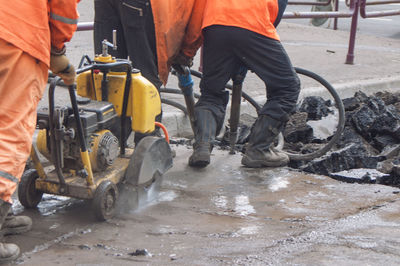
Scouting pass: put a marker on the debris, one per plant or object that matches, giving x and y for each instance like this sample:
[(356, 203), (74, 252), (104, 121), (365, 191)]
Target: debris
[(360, 175), (316, 107), (370, 140), (84, 246), (141, 252)]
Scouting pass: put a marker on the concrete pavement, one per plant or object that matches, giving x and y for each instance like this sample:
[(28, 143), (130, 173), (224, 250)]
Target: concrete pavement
[(229, 215), (224, 215)]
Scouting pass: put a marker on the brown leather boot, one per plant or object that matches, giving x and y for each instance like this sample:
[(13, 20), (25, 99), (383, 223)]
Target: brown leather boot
[(260, 151), (8, 252)]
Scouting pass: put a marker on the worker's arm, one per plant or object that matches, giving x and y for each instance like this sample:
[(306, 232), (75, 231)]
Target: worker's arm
[(193, 37), (63, 20)]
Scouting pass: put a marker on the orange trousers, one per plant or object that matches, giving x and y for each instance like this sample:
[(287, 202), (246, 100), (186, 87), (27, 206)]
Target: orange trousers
[(22, 82)]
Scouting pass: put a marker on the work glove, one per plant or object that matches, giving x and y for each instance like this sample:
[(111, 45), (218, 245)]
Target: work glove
[(183, 60), (59, 65)]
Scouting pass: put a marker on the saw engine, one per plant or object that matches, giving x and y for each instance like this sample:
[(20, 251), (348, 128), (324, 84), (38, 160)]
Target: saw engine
[(98, 120)]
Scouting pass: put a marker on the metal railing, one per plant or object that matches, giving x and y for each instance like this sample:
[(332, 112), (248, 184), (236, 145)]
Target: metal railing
[(355, 7)]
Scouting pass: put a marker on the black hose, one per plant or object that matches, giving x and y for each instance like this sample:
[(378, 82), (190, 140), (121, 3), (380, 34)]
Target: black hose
[(229, 87), (175, 104), (340, 126), (322, 81), (176, 91)]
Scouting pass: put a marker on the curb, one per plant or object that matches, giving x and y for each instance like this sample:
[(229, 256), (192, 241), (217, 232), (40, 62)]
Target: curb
[(179, 126)]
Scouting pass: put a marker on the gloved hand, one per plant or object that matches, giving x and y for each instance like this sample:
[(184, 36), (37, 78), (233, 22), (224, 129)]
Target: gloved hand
[(59, 65), (183, 60)]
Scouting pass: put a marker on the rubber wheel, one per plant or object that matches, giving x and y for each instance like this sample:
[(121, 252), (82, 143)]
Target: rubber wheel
[(104, 201), (28, 195)]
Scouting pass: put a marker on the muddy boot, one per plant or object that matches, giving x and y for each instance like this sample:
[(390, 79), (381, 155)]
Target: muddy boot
[(260, 151), (8, 252), (205, 130), (14, 225)]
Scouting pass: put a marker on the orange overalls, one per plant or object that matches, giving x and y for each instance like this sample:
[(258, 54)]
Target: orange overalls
[(28, 29)]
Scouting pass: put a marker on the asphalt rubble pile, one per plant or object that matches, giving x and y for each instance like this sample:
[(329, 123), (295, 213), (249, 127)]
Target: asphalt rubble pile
[(368, 151)]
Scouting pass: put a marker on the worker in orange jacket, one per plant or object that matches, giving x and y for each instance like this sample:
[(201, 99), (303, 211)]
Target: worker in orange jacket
[(150, 32), (32, 37), (242, 35)]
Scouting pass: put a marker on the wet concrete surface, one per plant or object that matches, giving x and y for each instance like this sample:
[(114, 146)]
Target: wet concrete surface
[(224, 215)]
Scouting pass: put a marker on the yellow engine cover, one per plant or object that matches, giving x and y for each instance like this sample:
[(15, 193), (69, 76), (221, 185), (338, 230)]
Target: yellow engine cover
[(144, 102)]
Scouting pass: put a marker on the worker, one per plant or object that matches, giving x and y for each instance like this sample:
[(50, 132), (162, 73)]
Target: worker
[(32, 37), (149, 32), (241, 34)]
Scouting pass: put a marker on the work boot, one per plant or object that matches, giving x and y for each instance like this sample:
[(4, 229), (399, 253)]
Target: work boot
[(260, 151), (205, 130), (14, 225), (8, 252)]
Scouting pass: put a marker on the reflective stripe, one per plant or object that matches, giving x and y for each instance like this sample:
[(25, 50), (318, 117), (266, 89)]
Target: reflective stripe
[(9, 177), (63, 19)]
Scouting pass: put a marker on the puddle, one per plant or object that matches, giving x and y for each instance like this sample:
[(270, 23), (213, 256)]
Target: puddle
[(49, 204), (249, 230), (278, 183), (243, 206), (220, 201)]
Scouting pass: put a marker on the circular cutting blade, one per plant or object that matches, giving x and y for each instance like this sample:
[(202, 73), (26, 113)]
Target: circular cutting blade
[(150, 160)]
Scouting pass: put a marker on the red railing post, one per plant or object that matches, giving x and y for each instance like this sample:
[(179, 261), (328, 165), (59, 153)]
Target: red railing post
[(354, 5)]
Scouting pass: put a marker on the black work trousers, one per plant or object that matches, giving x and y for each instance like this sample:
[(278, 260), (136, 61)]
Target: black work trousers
[(133, 20), (226, 49)]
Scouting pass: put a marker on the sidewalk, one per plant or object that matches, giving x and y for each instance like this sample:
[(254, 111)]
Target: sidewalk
[(320, 50), (323, 51)]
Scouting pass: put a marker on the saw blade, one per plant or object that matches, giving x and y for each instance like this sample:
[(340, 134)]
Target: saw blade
[(150, 160)]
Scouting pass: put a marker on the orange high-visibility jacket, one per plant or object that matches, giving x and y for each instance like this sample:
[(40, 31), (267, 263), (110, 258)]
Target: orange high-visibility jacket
[(173, 21), (34, 25), (255, 15)]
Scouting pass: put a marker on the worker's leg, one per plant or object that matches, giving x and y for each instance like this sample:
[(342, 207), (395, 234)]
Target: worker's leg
[(282, 4), (22, 82), (268, 59), (218, 65), (137, 20), (107, 19), (138, 25)]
